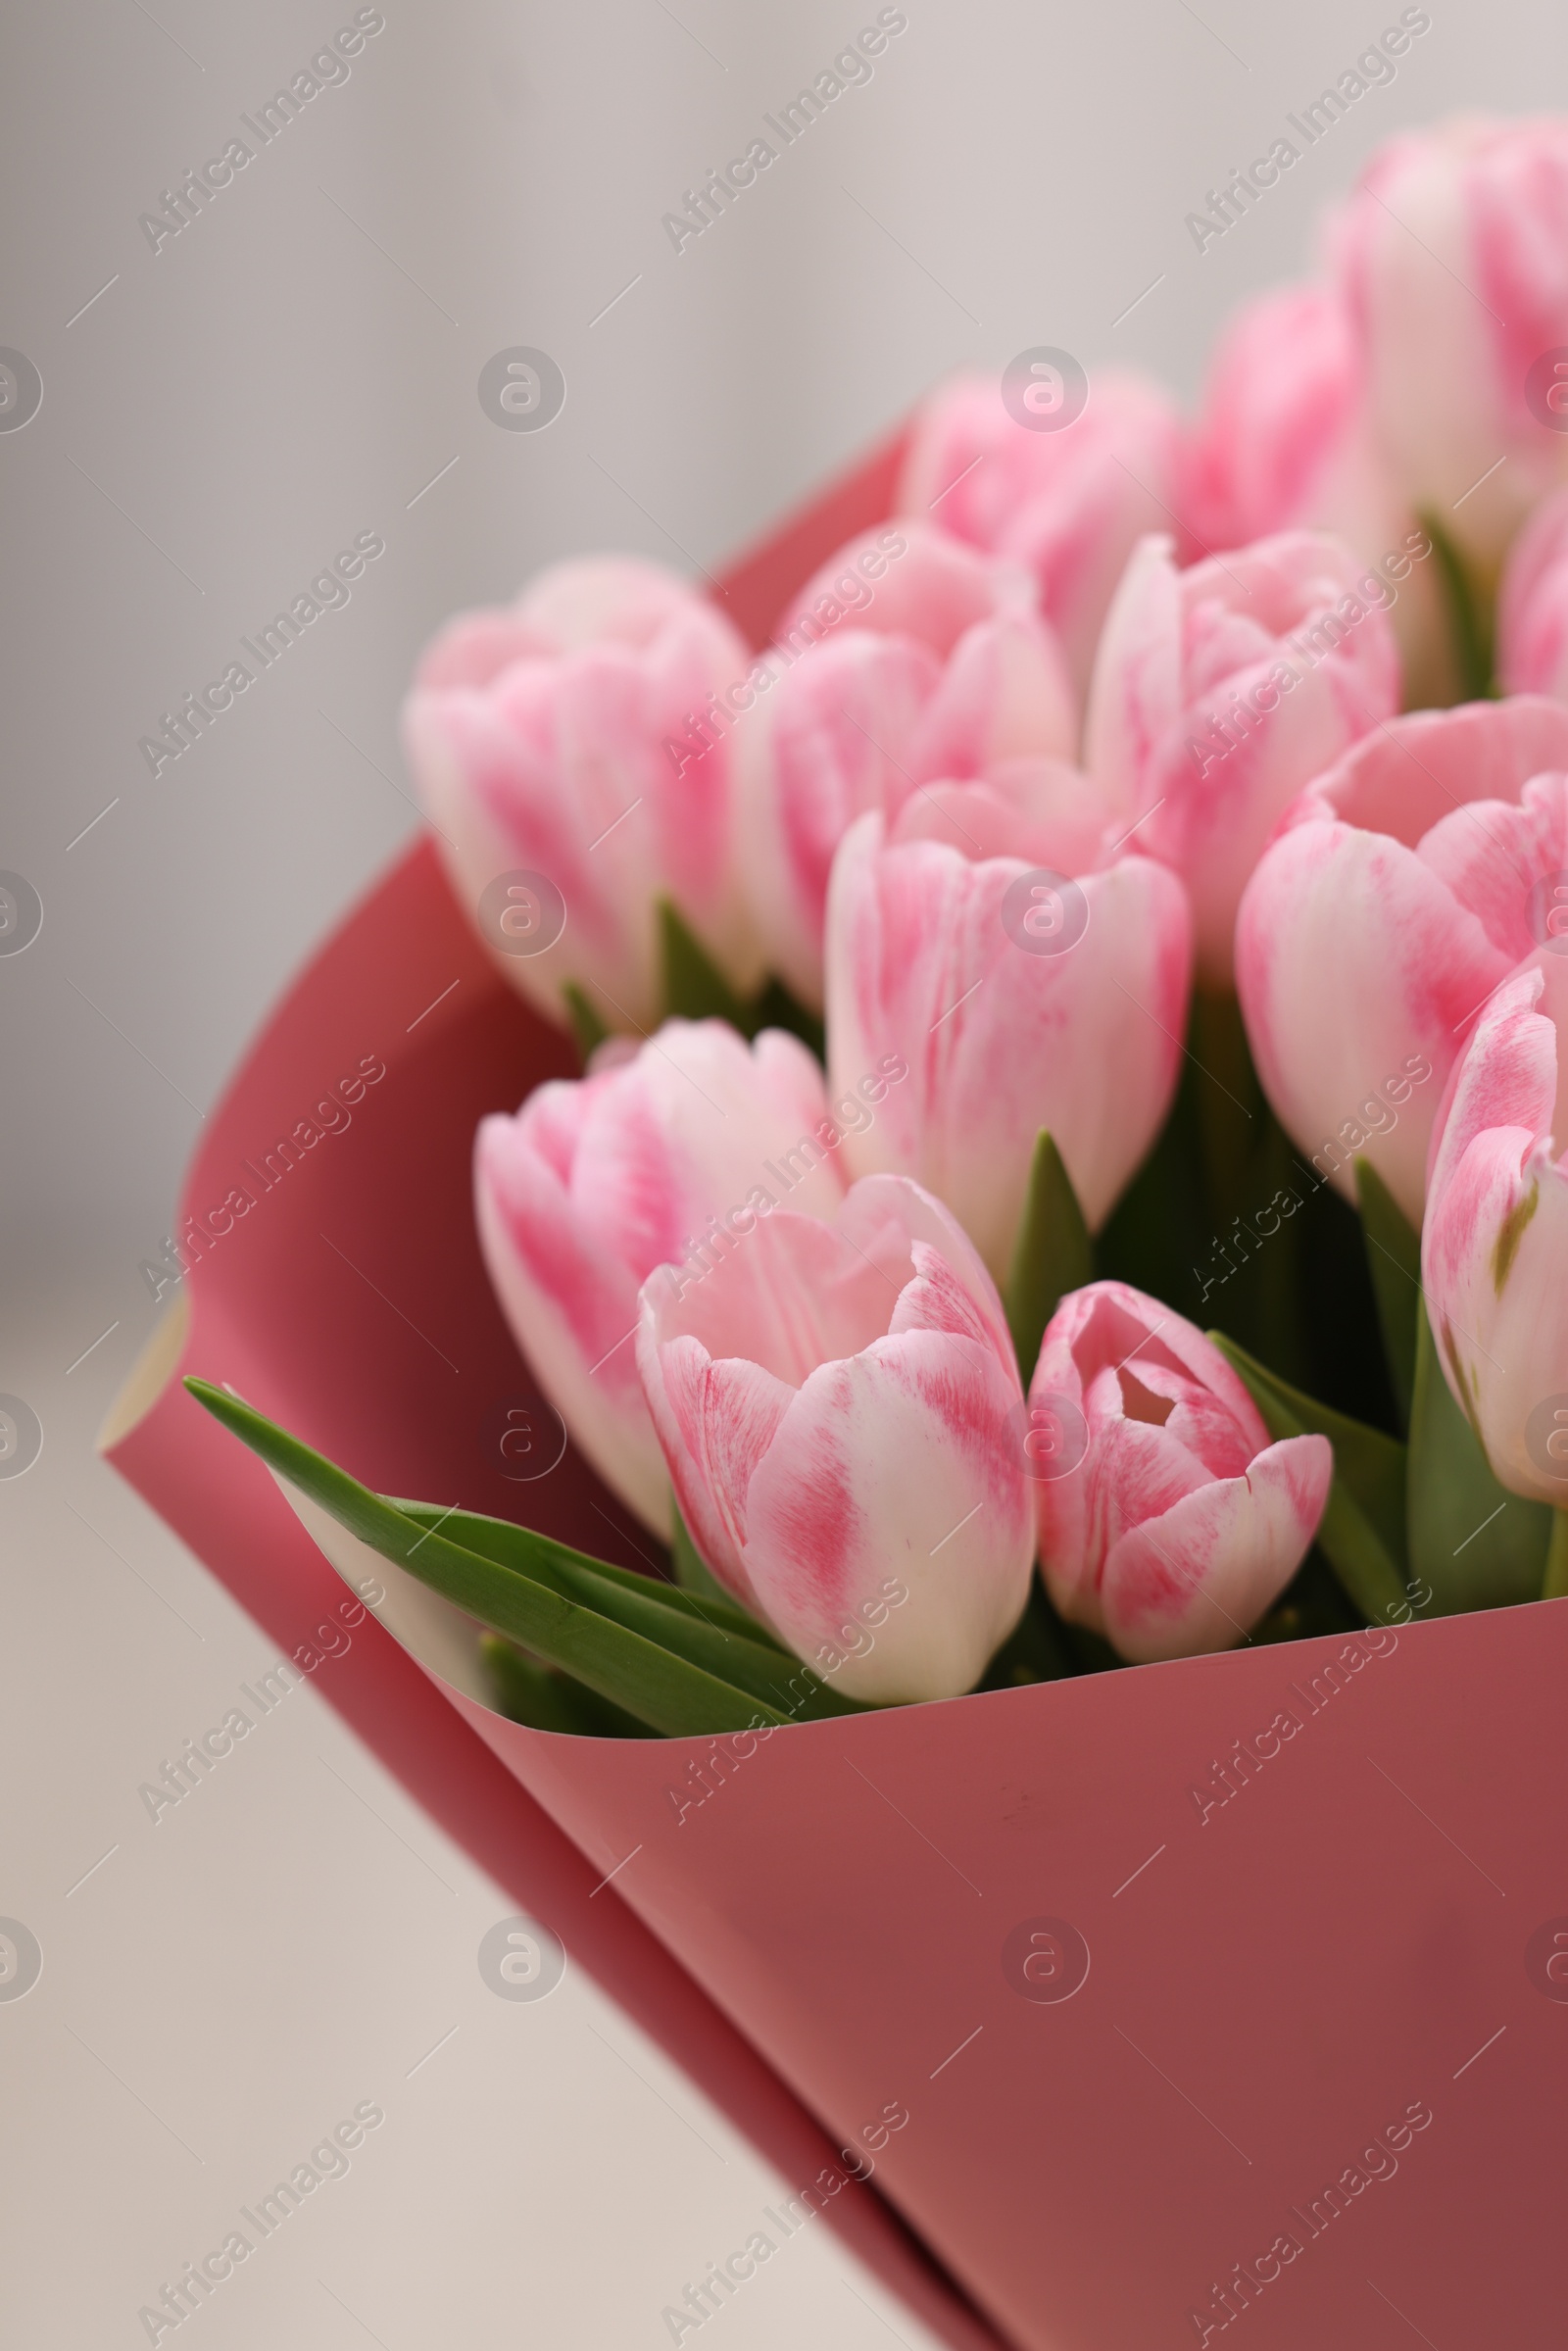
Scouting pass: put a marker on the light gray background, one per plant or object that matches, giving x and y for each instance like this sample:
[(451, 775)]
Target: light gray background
[(293, 369)]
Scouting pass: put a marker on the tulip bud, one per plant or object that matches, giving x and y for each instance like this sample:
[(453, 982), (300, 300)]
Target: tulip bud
[(1219, 692), (1494, 1249), (1451, 254), (1168, 1520), (961, 943), (581, 748), (657, 1157), (937, 666), (1068, 504), (1405, 882), (840, 1408)]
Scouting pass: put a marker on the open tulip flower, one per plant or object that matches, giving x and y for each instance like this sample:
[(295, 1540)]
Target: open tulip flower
[(1402, 887), (1068, 501), (1168, 1522), (1220, 691), (914, 659), (556, 753), (1495, 1248), (597, 1180), (840, 1408), (1019, 997)]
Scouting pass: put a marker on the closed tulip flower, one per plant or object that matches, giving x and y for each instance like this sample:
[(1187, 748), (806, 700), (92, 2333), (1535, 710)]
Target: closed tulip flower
[(557, 741), (1452, 254), (1494, 1252), (1169, 1520), (841, 1411), (1533, 606), (1220, 691), (1404, 884), (597, 1180), (1283, 442), (938, 666), (1068, 504), (1019, 996)]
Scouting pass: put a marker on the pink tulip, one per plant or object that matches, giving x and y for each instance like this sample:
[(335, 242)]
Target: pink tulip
[(1453, 256), (1282, 443), (597, 1180), (560, 739), (1396, 896), (841, 1411), (1168, 1520), (1494, 1252), (1068, 504), (935, 666), (1533, 606), (1279, 413), (1019, 997), (1220, 692)]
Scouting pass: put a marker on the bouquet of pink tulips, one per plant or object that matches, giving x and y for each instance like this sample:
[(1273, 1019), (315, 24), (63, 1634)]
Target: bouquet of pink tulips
[(1070, 1028)]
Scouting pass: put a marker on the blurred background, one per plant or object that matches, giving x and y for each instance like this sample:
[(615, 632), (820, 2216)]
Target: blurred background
[(222, 409)]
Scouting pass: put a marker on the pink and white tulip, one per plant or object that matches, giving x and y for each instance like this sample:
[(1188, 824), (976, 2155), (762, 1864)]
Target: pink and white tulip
[(1396, 896), (1181, 1522), (1533, 605), (558, 738), (1282, 443), (1068, 506), (934, 953), (597, 1180), (1219, 692), (1452, 254), (938, 666), (841, 1411), (1494, 1252)]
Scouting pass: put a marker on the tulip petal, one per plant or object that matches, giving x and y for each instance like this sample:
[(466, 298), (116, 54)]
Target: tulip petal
[(1357, 971), (896, 1469), (1196, 1578)]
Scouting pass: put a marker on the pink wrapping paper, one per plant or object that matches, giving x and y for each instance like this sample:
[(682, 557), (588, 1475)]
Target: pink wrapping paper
[(1143, 1998)]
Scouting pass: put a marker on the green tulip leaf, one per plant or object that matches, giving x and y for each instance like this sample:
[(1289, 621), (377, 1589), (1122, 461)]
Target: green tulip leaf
[(1362, 1534), (1393, 1260), (587, 1028), (1051, 1255), (1473, 1542), (572, 1613), (553, 1563), (695, 989), (546, 1700)]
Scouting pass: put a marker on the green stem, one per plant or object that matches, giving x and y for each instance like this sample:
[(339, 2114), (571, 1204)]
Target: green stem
[(1555, 1587), (1470, 615)]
